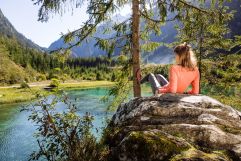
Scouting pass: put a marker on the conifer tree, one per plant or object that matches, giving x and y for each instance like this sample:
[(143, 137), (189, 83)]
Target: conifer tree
[(207, 35), (129, 33)]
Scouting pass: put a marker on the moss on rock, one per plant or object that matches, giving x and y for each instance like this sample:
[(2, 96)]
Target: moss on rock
[(193, 154), (175, 127), (139, 145)]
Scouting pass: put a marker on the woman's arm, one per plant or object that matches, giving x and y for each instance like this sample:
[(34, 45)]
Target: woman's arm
[(195, 84), (172, 86)]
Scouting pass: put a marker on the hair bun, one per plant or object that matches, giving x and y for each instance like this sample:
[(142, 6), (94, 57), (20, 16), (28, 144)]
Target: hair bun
[(186, 46)]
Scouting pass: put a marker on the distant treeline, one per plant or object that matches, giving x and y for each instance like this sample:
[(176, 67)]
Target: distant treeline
[(49, 66)]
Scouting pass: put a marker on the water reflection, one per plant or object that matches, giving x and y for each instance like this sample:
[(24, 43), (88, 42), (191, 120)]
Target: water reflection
[(16, 132)]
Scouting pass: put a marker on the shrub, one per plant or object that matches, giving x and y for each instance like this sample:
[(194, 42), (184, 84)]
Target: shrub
[(99, 76), (41, 77), (52, 75), (113, 77), (54, 83), (64, 77), (64, 135), (24, 85)]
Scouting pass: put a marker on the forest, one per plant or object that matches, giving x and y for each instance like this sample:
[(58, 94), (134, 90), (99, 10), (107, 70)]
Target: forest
[(32, 65)]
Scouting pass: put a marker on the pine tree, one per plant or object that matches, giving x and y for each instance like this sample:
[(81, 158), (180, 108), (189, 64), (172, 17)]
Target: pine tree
[(128, 33), (207, 35)]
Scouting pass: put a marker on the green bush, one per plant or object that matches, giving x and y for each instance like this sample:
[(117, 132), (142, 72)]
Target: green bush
[(54, 83), (99, 76), (64, 77), (52, 76), (218, 73), (64, 135), (41, 77), (113, 77), (24, 85)]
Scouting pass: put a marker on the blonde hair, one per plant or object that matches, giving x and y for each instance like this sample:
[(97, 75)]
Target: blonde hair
[(186, 56)]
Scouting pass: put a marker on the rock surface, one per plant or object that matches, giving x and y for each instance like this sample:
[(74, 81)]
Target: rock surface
[(175, 127)]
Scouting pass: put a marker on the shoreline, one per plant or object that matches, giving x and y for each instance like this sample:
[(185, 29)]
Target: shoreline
[(14, 94)]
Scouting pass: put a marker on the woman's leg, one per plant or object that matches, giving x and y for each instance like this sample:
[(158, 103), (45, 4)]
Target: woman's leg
[(154, 83), (145, 79), (163, 81)]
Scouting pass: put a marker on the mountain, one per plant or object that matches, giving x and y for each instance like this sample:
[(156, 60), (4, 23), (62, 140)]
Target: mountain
[(88, 49), (235, 23), (11, 72), (8, 30)]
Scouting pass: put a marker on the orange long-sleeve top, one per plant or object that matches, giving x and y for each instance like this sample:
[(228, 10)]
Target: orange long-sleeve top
[(179, 80)]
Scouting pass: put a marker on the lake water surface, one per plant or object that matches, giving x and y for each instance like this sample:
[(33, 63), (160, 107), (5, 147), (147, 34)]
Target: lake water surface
[(16, 132)]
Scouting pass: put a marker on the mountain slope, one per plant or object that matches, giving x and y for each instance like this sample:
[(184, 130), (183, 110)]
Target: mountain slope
[(10, 72), (162, 54), (88, 49), (8, 30)]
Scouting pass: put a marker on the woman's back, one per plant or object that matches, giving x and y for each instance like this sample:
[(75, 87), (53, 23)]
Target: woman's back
[(180, 78)]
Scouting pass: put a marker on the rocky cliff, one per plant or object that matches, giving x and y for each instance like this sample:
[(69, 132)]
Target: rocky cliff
[(175, 127)]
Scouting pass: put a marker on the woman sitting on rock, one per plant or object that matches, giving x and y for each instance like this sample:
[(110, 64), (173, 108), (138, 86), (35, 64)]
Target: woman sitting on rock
[(181, 75)]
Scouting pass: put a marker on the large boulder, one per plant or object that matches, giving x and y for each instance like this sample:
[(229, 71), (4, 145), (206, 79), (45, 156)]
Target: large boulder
[(174, 127)]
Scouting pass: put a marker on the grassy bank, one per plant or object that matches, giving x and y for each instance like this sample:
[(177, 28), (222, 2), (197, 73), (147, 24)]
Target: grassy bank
[(15, 95), (86, 84)]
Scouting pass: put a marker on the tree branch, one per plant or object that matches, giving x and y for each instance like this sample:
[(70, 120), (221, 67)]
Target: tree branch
[(192, 6), (155, 20)]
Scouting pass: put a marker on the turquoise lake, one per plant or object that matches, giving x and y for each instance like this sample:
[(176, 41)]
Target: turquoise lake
[(16, 132)]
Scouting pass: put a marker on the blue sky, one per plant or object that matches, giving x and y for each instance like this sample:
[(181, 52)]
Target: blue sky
[(24, 15)]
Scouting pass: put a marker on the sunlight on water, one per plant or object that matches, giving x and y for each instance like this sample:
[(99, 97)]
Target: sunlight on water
[(16, 132)]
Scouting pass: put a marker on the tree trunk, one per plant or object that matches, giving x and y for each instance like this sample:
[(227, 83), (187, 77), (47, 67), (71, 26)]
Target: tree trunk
[(135, 47), (200, 56)]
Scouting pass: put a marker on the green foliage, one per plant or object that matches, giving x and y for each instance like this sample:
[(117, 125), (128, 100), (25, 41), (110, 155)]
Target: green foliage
[(152, 14), (221, 79), (55, 73), (19, 64), (207, 32), (121, 90), (24, 85), (16, 95), (122, 59), (224, 69), (64, 135), (54, 83), (41, 77), (113, 77), (27, 57), (10, 73), (99, 76), (148, 47), (156, 69), (237, 43), (64, 77)]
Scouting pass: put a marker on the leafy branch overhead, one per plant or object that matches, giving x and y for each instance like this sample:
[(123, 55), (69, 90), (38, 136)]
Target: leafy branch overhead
[(214, 31), (153, 13), (146, 19)]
